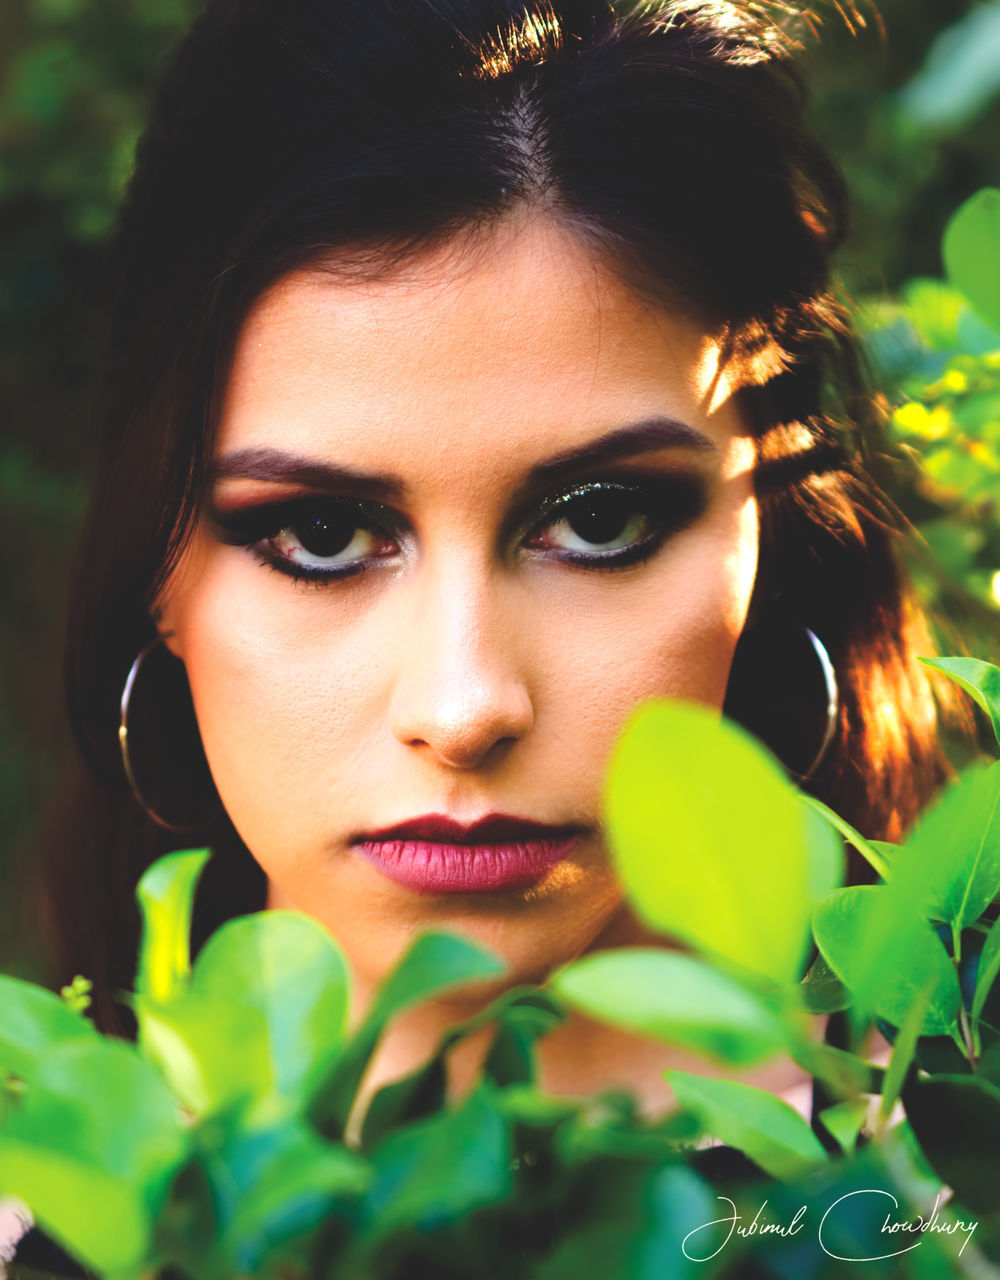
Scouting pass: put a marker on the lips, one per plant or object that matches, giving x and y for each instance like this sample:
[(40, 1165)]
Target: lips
[(436, 854)]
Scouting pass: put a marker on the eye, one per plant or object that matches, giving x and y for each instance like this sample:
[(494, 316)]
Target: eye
[(614, 524), (315, 539)]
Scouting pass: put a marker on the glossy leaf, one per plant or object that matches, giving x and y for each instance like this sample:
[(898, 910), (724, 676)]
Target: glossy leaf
[(511, 1056), (822, 990), (99, 1102), (825, 855), (670, 996), (886, 958), (271, 1185), (166, 897), (97, 1216), (758, 1123), (955, 848), (212, 1052), (868, 849), (710, 839), (989, 968), (442, 1168), (416, 1096), (845, 1074), (904, 1049), (33, 1021), (981, 680), (434, 963), (645, 1233), (92, 1148), (972, 250), (941, 1107), (286, 967), (843, 1122)]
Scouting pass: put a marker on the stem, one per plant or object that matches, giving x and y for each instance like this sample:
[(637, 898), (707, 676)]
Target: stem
[(966, 1028)]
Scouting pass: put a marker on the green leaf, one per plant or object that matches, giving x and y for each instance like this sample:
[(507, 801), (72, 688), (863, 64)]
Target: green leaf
[(710, 839), (759, 1124), (32, 1023), (960, 75), (845, 1074), (989, 967), (975, 335), (981, 680), (886, 957), (511, 1056), (645, 1218), (868, 849), (843, 1122), (271, 1185), (92, 1149), (417, 1095), (972, 252), (903, 1050), (97, 1216), (99, 1102), (166, 896), (289, 969), (435, 963), (822, 990), (825, 861), (956, 1120), (442, 1168), (934, 309), (955, 848), (669, 996), (212, 1053)]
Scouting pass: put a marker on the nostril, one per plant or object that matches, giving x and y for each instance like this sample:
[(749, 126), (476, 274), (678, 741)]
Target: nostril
[(463, 731)]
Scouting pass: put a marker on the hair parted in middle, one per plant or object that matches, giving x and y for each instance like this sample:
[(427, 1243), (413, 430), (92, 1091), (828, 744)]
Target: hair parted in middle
[(348, 136)]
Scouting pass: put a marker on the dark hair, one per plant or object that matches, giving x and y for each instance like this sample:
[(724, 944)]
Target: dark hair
[(669, 138)]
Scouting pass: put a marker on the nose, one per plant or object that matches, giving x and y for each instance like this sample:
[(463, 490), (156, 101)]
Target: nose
[(459, 690)]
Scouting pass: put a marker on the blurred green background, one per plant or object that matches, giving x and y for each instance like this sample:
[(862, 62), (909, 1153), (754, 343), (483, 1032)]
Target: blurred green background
[(907, 98)]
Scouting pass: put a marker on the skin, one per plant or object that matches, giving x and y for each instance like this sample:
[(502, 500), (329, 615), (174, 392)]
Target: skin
[(469, 670)]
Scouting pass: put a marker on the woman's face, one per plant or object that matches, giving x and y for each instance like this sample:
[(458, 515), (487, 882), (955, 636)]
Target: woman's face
[(464, 518)]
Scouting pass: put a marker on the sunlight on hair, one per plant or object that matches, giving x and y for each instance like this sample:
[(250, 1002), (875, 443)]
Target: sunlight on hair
[(531, 41), (765, 29)]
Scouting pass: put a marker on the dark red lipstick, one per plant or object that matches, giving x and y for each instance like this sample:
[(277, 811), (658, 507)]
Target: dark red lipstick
[(436, 854)]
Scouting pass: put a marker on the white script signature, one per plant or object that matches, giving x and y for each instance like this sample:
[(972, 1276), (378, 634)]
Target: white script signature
[(735, 1223)]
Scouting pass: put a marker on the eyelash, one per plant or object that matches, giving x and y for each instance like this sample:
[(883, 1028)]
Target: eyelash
[(668, 503)]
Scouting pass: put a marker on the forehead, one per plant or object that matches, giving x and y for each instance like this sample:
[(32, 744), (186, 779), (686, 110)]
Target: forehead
[(490, 350)]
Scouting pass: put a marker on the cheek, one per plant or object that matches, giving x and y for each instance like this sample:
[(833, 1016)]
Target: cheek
[(671, 633), (286, 699)]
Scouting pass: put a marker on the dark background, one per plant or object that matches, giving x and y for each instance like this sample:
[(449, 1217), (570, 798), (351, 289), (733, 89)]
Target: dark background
[(908, 99)]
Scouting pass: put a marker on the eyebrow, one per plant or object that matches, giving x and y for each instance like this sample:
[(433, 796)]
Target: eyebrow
[(274, 466), (637, 437)]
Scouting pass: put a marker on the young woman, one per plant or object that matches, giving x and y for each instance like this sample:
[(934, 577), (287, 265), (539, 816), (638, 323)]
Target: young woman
[(474, 376)]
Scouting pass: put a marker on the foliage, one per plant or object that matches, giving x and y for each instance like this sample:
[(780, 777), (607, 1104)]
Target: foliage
[(936, 353), (229, 1140)]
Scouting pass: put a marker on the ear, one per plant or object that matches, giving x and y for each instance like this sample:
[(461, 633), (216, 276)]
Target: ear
[(162, 614)]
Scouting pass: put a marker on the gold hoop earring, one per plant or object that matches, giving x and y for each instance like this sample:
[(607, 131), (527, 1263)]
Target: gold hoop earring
[(777, 712), (832, 701), (127, 761)]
